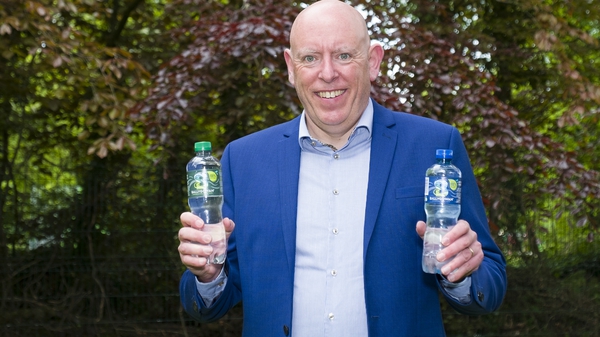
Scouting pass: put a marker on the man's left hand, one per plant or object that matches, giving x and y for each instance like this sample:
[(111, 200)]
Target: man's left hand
[(460, 242)]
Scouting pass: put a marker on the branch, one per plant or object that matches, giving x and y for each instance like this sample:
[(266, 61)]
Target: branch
[(114, 36)]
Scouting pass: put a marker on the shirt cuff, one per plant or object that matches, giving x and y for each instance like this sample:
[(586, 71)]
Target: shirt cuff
[(210, 291), (459, 291)]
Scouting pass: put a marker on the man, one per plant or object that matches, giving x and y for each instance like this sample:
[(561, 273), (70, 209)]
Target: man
[(326, 205)]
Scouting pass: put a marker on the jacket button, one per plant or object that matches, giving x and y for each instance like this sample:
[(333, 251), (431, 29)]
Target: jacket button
[(286, 330), (480, 296)]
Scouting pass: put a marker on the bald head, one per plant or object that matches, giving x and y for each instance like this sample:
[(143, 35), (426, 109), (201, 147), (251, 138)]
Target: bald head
[(331, 63), (327, 17)]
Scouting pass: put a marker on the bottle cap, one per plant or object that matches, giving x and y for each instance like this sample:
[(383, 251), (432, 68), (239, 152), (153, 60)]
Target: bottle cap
[(443, 154), (202, 146)]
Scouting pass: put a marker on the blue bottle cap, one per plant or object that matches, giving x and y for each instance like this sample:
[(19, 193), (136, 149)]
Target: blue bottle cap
[(443, 154)]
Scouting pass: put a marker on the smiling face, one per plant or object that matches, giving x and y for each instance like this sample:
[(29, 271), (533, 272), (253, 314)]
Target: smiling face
[(331, 63)]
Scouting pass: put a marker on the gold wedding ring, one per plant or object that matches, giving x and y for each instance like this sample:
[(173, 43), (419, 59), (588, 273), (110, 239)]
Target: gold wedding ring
[(472, 252)]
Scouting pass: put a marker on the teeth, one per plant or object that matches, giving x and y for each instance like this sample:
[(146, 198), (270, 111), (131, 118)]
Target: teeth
[(330, 94)]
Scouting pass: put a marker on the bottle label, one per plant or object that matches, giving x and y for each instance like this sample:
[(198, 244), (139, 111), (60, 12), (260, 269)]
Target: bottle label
[(442, 190), (204, 183)]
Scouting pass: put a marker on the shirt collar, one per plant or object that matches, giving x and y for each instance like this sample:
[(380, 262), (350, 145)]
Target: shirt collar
[(365, 121)]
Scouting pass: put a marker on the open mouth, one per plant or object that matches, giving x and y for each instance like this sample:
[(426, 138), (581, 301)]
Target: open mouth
[(330, 94)]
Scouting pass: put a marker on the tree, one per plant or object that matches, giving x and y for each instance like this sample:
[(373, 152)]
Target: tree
[(490, 68), (69, 71), (101, 102)]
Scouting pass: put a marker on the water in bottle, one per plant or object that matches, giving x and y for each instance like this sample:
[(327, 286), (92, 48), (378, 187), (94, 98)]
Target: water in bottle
[(442, 206), (205, 197)]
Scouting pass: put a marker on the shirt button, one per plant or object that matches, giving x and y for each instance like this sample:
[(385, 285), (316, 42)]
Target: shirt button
[(335, 231), (313, 143), (334, 272), (336, 156), (335, 192), (331, 317)]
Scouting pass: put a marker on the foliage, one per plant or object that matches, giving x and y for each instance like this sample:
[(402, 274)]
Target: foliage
[(538, 303), (69, 71), (229, 81), (100, 102), (518, 79)]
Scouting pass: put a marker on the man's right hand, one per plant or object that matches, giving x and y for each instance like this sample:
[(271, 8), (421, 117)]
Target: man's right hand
[(194, 246)]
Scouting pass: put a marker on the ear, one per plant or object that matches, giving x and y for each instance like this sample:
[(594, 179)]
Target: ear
[(287, 54), (375, 58)]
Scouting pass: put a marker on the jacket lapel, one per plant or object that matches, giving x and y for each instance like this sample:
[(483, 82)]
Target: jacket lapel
[(383, 147), (288, 162)]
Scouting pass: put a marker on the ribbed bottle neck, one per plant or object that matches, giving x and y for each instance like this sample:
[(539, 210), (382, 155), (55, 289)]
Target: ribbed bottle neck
[(203, 153)]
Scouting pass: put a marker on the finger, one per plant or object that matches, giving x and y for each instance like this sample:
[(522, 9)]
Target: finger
[(421, 227), (187, 251), (194, 263), (458, 246), (466, 269), (459, 230), (194, 250), (464, 263), (468, 257), (466, 254), (192, 235), (189, 219)]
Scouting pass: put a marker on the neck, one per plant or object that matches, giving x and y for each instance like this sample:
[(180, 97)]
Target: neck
[(333, 140)]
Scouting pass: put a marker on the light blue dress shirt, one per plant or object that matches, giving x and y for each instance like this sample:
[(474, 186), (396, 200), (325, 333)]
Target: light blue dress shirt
[(329, 238), (332, 196)]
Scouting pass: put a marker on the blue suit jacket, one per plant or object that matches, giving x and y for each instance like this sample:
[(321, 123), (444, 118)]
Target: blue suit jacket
[(260, 175)]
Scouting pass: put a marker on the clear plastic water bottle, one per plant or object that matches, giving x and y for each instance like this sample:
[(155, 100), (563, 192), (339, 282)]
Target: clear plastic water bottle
[(442, 206), (205, 197)]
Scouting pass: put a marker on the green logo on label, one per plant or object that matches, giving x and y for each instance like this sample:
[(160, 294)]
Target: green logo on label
[(205, 182)]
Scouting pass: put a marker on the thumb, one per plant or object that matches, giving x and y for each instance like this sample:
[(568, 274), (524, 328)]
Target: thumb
[(229, 226), (421, 227)]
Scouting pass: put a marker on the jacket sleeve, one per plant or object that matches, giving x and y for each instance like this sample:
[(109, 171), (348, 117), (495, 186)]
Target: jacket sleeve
[(488, 282)]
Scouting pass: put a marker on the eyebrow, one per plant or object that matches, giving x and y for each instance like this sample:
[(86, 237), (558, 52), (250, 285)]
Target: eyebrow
[(344, 49)]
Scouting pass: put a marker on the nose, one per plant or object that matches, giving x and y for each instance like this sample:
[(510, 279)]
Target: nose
[(328, 71)]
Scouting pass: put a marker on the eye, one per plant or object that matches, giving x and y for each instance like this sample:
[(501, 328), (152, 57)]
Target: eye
[(344, 56), (309, 58)]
